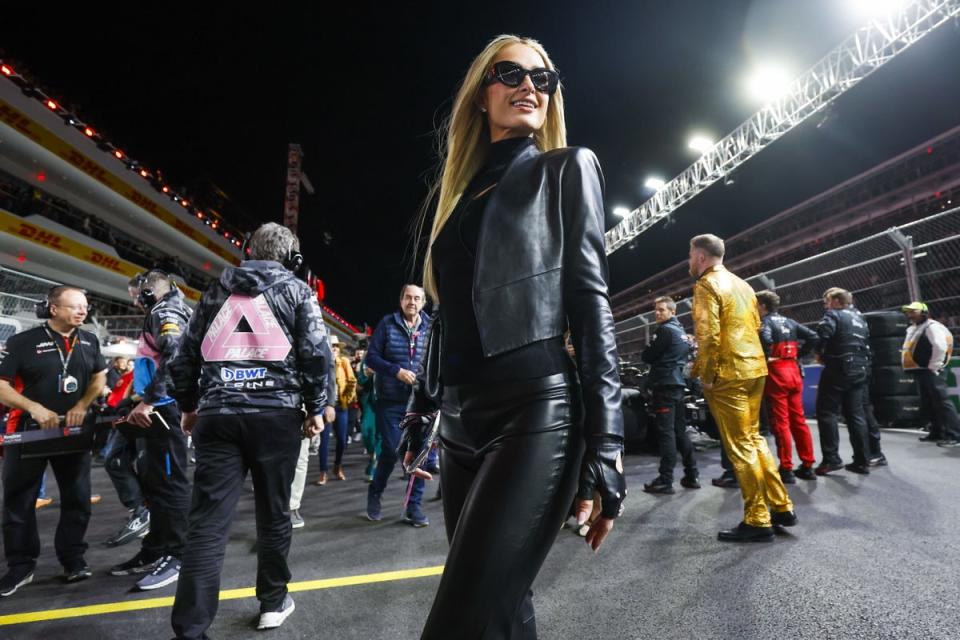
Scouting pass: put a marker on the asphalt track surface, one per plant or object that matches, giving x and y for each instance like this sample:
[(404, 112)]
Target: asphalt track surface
[(873, 557)]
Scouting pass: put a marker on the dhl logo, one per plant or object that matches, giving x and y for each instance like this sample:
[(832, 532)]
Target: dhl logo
[(86, 165), (106, 261), (40, 236), (16, 120)]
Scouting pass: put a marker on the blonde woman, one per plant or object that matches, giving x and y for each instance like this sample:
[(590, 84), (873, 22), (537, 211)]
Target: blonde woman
[(515, 259)]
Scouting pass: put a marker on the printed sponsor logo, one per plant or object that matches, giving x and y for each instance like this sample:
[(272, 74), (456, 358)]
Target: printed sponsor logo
[(265, 342), (239, 375)]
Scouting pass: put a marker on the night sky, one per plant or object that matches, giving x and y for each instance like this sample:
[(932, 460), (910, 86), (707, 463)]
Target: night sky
[(216, 94)]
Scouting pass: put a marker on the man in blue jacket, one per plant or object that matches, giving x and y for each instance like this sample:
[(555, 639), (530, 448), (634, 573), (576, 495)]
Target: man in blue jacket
[(394, 353)]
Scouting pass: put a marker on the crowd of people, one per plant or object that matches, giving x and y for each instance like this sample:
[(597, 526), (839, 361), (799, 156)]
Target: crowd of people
[(510, 390)]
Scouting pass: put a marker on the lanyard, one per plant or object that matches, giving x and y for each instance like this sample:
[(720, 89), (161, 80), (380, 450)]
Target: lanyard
[(412, 335), (64, 360)]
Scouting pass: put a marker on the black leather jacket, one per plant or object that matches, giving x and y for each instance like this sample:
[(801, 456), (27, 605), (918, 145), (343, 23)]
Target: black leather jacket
[(541, 268), (843, 333)]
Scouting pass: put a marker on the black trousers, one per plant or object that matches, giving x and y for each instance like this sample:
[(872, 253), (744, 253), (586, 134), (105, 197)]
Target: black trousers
[(227, 446), (873, 427), (21, 486), (166, 488), (670, 414), (840, 393), (121, 464), (939, 406), (509, 470)]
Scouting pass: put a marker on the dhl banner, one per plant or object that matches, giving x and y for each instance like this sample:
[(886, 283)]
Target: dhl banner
[(16, 226), (42, 136)]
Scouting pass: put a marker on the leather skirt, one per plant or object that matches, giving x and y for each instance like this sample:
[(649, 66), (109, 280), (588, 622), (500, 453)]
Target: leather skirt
[(510, 461)]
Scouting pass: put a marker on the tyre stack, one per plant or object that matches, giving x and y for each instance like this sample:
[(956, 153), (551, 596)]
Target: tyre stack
[(896, 400)]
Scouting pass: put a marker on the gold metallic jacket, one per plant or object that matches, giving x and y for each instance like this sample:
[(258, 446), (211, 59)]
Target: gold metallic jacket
[(727, 324)]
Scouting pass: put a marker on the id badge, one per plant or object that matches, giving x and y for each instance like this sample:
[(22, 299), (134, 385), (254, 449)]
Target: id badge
[(68, 384)]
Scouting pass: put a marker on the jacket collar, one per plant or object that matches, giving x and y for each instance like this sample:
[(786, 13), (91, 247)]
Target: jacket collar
[(398, 318), (711, 269)]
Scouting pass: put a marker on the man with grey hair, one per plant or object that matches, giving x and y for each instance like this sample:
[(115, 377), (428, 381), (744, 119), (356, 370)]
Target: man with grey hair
[(252, 361)]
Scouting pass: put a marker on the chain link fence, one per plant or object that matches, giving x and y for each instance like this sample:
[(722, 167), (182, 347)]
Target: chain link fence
[(884, 271)]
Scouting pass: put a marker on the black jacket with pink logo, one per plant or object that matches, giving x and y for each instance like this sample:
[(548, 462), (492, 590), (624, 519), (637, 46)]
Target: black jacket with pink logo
[(256, 343)]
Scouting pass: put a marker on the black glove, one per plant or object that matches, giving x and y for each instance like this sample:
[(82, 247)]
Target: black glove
[(602, 472)]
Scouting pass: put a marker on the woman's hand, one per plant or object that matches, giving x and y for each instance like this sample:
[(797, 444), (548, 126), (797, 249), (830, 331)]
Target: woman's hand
[(601, 473), (600, 528)]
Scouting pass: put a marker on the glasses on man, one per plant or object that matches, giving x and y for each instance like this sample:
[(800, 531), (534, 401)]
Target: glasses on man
[(512, 74)]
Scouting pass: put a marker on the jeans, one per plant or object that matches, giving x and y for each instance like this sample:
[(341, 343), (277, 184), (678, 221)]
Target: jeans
[(388, 427), (340, 427)]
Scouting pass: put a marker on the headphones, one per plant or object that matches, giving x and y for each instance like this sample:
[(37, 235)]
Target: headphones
[(42, 307), (293, 261), (147, 297)]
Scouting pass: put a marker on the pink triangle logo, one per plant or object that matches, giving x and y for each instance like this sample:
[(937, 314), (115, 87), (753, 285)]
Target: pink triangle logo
[(266, 341)]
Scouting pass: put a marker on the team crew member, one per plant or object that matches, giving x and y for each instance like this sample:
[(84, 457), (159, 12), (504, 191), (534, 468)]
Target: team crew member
[(926, 352), (844, 348), (163, 479), (249, 388), (784, 341), (667, 355), (731, 366), (52, 370)]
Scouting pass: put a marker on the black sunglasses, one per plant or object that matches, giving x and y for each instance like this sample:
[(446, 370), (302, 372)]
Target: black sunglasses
[(512, 74)]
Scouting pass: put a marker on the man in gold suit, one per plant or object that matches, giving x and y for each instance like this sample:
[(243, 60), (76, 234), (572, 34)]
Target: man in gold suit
[(732, 368)]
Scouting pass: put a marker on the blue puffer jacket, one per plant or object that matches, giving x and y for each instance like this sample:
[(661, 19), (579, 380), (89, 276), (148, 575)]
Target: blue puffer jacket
[(390, 350)]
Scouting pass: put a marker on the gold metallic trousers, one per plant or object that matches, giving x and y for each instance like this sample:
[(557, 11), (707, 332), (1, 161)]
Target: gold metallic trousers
[(735, 405)]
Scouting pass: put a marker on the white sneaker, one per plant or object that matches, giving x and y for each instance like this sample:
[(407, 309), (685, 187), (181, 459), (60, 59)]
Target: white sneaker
[(273, 619)]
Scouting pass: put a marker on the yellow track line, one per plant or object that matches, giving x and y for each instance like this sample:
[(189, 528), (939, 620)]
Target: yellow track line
[(230, 594)]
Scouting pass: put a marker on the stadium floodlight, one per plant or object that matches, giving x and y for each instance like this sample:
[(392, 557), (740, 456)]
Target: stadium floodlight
[(701, 144), (621, 212), (877, 8), (654, 183), (768, 83)]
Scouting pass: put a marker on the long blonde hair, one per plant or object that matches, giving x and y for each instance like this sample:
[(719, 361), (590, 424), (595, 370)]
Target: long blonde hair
[(464, 142)]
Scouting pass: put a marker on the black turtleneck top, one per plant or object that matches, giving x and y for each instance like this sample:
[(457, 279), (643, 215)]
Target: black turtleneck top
[(454, 261)]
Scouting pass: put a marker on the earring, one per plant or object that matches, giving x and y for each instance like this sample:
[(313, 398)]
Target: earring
[(483, 109)]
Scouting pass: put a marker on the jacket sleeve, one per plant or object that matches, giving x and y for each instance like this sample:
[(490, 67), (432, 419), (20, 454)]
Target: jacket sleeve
[(808, 337), (653, 352), (375, 350), (332, 393), (825, 330), (185, 367), (586, 297), (313, 353), (706, 324), (766, 337), (166, 328), (940, 343), (350, 393)]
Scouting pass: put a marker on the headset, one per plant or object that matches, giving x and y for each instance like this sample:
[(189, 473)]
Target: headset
[(147, 297), (42, 307), (292, 262)]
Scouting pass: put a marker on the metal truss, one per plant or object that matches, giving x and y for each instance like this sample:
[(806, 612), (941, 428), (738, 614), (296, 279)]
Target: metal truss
[(853, 60)]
